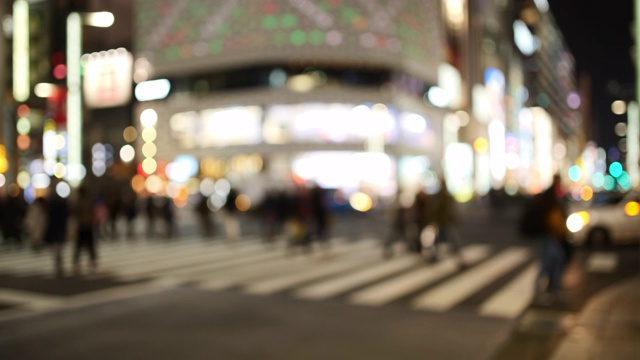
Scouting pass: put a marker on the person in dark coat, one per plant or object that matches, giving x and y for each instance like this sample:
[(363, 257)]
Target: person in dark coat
[(85, 222), (56, 234)]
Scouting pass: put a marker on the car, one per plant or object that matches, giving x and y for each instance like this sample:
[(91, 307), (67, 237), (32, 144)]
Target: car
[(614, 221)]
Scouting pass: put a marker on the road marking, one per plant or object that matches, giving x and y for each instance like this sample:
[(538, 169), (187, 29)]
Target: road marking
[(602, 262), (333, 287), (281, 283), (446, 296), (239, 276), (511, 300), (393, 289), (28, 299)]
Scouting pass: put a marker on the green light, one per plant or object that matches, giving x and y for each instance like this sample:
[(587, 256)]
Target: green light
[(543, 100), (609, 183), (623, 180), (615, 169), (270, 22), (349, 14), (215, 46), (575, 173), (298, 37), (316, 37), (597, 180), (289, 21)]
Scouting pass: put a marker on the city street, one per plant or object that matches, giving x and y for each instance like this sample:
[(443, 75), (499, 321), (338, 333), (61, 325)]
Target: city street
[(194, 297)]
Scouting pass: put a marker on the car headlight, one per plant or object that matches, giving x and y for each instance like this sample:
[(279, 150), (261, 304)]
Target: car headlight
[(577, 221)]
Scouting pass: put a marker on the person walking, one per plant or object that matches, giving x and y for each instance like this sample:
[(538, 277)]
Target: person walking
[(231, 220), (85, 227), (56, 234), (445, 219), (552, 254), (399, 219), (36, 222)]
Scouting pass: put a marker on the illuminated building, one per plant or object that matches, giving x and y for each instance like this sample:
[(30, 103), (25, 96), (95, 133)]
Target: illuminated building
[(265, 92)]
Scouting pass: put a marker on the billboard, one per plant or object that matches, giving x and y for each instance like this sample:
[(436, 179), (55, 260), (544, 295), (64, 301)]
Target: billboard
[(182, 36)]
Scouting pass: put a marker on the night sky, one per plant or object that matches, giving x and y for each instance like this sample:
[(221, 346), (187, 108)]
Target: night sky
[(599, 34)]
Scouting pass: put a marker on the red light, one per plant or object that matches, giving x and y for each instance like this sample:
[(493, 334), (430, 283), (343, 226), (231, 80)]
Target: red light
[(23, 142), (24, 111), (60, 71)]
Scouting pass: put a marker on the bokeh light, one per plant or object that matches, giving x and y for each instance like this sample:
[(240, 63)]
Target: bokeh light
[(243, 202), (615, 169), (620, 129), (618, 107), (127, 153), (130, 134), (586, 193), (148, 118), (63, 189), (360, 201), (632, 208)]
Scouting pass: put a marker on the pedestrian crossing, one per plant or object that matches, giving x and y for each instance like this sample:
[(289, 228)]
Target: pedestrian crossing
[(348, 270)]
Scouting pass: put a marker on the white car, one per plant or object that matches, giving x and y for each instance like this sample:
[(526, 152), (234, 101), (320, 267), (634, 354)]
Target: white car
[(617, 221)]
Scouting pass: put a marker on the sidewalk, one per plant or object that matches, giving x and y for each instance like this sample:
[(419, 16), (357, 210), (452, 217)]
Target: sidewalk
[(608, 327)]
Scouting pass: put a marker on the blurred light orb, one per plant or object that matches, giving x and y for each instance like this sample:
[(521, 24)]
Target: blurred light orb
[(615, 169), (23, 142), (609, 183), (153, 184), (4, 164), (463, 118), (511, 187), (149, 150), (222, 187), (127, 153), (576, 221), (149, 134), (99, 151), (620, 129), (481, 145), (216, 202), (148, 118), (618, 107), (40, 181), (437, 96), (61, 141), (598, 179), (243, 202), (23, 126), (632, 208), (575, 173), (360, 201), (207, 187), (63, 189), (23, 179), (149, 166), (137, 183), (59, 170), (622, 145), (573, 100), (130, 134), (586, 193), (3, 180), (559, 151), (614, 154), (99, 168)]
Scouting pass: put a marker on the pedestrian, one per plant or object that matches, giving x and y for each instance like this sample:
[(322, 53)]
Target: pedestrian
[(12, 212), (130, 210), (168, 215), (36, 222), (445, 219), (269, 211), (85, 227), (57, 221), (421, 212), (231, 220), (151, 211), (398, 215), (549, 209), (205, 215), (320, 214)]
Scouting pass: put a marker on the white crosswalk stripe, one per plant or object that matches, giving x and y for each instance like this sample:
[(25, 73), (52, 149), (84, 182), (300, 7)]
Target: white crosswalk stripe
[(602, 262), (355, 271), (405, 284), (447, 295)]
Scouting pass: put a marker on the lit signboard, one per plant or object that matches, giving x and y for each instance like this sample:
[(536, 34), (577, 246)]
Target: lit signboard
[(107, 79)]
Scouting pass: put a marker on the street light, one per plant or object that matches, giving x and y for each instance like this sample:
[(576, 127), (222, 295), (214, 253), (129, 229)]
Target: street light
[(74, 87)]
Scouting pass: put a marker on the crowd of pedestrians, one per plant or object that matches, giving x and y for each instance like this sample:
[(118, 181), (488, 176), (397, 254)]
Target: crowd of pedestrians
[(423, 222)]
